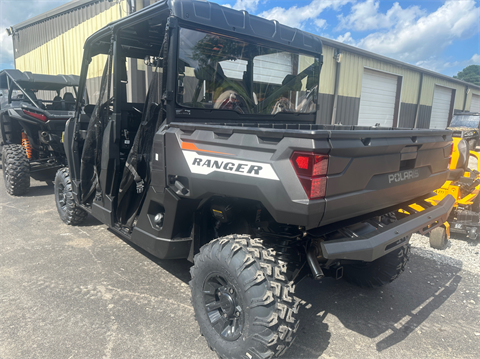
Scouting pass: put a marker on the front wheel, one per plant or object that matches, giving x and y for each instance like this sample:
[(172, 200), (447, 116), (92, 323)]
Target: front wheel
[(242, 299), (16, 169), (68, 210), (379, 272), (438, 238)]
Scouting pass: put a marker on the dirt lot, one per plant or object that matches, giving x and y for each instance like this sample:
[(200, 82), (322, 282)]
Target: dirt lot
[(82, 292)]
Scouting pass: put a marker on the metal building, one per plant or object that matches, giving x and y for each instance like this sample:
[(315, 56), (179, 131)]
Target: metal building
[(356, 86)]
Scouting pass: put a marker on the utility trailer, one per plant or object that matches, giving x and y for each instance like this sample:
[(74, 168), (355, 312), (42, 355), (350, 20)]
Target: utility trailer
[(225, 164)]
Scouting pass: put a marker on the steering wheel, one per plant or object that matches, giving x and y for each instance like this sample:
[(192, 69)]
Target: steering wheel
[(231, 100)]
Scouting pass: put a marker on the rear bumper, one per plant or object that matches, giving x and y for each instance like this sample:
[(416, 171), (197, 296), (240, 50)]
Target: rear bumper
[(384, 240)]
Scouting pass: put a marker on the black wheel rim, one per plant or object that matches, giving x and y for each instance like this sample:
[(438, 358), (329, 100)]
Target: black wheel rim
[(62, 197), (223, 307)]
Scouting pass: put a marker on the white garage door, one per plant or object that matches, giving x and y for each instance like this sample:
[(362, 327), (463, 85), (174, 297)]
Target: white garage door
[(377, 100), (442, 98), (475, 104), (271, 68)]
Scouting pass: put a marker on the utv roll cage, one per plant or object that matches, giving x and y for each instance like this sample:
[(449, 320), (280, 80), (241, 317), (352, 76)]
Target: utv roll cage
[(153, 33), (28, 83)]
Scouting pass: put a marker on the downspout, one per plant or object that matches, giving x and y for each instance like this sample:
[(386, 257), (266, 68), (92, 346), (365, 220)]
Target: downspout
[(467, 90), (338, 58), (418, 100)]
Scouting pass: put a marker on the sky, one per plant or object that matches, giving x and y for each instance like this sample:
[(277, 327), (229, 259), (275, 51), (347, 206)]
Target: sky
[(439, 35)]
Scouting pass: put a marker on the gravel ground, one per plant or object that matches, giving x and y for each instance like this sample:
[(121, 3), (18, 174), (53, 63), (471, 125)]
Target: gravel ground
[(461, 252)]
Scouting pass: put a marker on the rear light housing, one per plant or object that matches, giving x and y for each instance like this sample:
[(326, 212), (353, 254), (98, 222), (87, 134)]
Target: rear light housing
[(36, 115), (311, 169)]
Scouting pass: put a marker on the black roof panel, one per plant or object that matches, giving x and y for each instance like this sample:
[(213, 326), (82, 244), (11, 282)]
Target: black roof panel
[(212, 15), (38, 81)]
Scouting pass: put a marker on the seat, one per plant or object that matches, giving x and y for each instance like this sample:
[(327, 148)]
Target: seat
[(69, 101), (57, 103), (32, 95)]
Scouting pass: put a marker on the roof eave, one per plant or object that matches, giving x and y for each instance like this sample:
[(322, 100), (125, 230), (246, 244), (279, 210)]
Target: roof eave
[(365, 53)]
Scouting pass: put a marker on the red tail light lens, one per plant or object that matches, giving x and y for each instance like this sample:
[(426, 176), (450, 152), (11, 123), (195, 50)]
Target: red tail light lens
[(38, 116), (311, 170)]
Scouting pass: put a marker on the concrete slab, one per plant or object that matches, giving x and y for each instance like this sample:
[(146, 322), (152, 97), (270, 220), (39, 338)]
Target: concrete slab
[(83, 292)]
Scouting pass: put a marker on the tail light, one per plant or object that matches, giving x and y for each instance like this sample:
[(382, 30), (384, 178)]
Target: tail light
[(38, 116), (311, 170)]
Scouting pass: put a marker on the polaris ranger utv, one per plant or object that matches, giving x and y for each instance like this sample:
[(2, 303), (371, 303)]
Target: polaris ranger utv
[(224, 165), (33, 111)]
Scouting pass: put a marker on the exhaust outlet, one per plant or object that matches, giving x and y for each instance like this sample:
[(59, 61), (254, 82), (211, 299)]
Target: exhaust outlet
[(312, 261)]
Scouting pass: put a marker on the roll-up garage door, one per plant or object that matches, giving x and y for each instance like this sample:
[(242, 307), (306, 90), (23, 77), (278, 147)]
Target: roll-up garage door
[(271, 68), (475, 104), (377, 100), (442, 99)]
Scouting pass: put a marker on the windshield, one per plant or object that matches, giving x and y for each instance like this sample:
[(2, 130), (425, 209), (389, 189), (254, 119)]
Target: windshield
[(465, 121), (224, 73)]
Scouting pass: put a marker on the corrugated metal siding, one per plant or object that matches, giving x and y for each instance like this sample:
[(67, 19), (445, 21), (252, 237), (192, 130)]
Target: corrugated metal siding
[(30, 38), (93, 87), (352, 70), (424, 114), (325, 107), (327, 75), (63, 54), (406, 117), (347, 110), (428, 87)]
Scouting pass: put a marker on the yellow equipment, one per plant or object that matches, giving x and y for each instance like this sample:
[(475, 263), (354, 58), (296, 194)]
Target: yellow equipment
[(464, 186)]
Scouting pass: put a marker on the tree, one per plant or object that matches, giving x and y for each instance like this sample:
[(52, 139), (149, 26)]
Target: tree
[(470, 74)]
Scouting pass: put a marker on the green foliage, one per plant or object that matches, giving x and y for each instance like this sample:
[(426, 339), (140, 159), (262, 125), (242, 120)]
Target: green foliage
[(470, 74)]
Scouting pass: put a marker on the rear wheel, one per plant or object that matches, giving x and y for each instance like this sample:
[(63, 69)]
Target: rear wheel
[(379, 272), (68, 210), (438, 238), (242, 299), (16, 169)]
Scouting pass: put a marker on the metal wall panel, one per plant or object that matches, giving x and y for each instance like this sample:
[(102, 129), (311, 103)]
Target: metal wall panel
[(347, 110), (406, 117), (351, 72), (31, 37), (424, 114), (63, 54), (327, 75), (428, 87), (325, 107)]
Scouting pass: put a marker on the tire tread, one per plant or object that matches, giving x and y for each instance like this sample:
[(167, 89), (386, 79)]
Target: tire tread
[(17, 167), (73, 215), (277, 330)]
